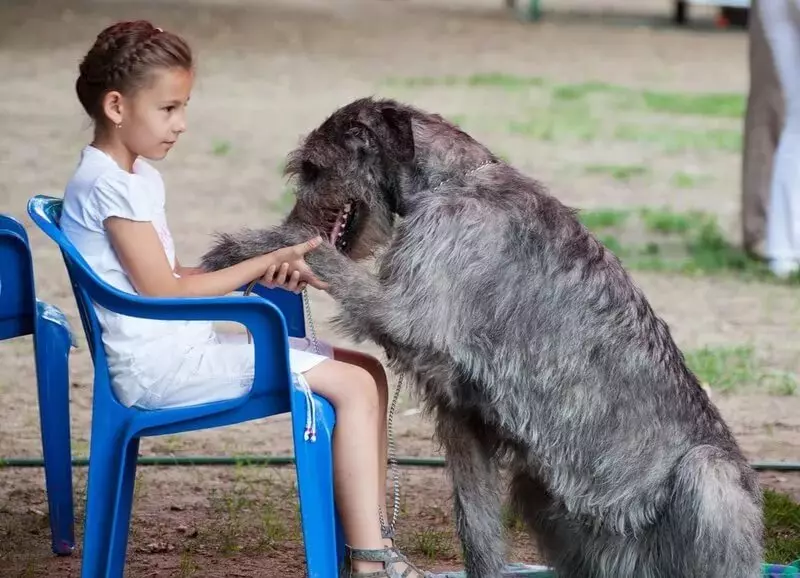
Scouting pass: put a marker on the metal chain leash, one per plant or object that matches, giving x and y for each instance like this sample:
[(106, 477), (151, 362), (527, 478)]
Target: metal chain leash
[(390, 428)]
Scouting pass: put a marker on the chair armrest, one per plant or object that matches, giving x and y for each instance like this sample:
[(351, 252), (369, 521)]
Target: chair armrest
[(262, 318), (290, 304), (245, 310)]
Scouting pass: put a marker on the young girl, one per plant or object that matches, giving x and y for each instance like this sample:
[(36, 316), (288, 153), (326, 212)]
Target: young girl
[(135, 84)]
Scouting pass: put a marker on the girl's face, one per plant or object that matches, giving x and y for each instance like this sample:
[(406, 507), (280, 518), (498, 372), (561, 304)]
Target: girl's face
[(152, 118)]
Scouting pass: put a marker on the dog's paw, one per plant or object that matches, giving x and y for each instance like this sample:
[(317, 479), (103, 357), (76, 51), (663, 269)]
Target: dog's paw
[(329, 265)]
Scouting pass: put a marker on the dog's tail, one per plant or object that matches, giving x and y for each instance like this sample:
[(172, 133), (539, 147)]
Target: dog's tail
[(716, 522)]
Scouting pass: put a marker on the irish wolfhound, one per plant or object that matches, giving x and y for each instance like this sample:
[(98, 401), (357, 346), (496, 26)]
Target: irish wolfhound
[(529, 344)]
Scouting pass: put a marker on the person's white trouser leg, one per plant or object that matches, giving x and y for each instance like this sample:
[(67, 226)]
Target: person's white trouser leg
[(781, 20)]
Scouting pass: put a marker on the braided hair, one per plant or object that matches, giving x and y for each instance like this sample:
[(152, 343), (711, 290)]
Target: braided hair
[(123, 57)]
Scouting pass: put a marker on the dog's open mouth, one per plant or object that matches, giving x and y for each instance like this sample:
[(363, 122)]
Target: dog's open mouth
[(343, 230)]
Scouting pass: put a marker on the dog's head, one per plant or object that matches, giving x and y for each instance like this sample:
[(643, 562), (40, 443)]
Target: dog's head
[(348, 172)]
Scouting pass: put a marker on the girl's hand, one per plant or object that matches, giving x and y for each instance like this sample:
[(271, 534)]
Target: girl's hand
[(293, 273)]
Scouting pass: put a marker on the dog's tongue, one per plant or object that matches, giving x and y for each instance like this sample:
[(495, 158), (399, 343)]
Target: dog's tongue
[(340, 221)]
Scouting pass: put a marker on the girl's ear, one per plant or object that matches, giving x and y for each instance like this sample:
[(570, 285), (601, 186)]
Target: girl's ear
[(113, 107)]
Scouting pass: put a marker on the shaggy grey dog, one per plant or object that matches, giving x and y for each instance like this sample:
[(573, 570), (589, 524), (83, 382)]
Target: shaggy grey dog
[(530, 345)]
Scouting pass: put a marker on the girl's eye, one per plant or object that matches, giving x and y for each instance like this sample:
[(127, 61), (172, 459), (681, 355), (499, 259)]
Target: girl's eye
[(169, 108)]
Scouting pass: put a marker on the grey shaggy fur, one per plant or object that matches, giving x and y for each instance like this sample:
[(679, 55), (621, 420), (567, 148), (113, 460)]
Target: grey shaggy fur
[(529, 344)]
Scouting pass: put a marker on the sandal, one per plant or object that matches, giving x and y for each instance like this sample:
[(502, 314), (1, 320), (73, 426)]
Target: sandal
[(386, 534), (389, 557)]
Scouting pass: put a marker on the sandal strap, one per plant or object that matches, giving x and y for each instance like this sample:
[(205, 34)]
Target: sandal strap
[(385, 555), (399, 557), (378, 574)]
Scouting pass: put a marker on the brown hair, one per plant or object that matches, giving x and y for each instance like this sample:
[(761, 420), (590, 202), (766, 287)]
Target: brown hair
[(123, 57)]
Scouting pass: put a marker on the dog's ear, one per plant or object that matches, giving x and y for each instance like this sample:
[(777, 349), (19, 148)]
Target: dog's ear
[(401, 143), (360, 138)]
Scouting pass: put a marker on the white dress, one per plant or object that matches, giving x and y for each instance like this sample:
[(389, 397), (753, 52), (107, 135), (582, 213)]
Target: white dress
[(153, 363)]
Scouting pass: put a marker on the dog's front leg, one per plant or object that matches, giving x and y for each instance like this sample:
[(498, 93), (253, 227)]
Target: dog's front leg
[(364, 311), (476, 494)]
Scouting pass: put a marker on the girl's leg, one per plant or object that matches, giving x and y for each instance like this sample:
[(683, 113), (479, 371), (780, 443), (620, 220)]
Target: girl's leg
[(364, 376), (781, 21), (352, 392), (375, 369)]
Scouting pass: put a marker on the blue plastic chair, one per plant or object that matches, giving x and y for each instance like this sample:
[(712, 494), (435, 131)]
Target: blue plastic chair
[(116, 429), (21, 313)]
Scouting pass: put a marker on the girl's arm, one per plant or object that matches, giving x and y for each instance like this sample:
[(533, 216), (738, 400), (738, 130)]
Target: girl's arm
[(141, 254), (185, 271)]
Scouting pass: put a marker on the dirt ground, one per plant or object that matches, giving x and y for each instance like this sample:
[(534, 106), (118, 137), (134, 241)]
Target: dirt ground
[(268, 73)]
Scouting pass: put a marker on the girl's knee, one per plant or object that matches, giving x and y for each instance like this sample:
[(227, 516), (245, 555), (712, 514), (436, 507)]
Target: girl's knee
[(345, 385), (361, 382)]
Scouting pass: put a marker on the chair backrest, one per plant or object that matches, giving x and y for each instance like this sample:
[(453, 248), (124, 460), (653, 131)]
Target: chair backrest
[(17, 290), (46, 213)]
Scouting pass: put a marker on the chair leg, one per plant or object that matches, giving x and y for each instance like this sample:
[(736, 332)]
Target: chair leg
[(52, 342), (108, 500), (122, 517), (314, 466)]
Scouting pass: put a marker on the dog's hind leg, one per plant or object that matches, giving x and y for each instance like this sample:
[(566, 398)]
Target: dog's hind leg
[(569, 544), (714, 526), (476, 493)]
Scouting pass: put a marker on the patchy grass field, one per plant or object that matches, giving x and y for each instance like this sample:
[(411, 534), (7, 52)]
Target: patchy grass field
[(635, 123)]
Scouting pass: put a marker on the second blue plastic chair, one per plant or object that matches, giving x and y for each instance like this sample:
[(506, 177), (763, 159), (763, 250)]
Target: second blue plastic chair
[(21, 313), (116, 429)]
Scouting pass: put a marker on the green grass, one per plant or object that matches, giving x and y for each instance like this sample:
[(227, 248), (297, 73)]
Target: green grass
[(731, 369), (283, 203), (659, 239), (726, 105), (575, 121), (723, 105), (679, 140), (584, 89), (782, 524), (682, 180), (622, 173), (558, 122), (668, 222), (579, 112), (600, 219), (713, 104), (724, 368), (490, 79), (251, 516), (221, 148), (433, 544)]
